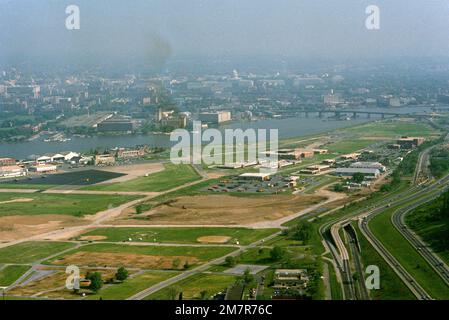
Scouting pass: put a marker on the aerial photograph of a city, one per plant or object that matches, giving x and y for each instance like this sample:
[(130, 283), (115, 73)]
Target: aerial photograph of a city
[(226, 157)]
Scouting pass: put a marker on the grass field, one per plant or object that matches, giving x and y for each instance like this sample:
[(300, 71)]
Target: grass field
[(348, 146), (407, 256), (11, 273), (392, 129), (131, 286), (180, 235), (67, 204), (172, 177), (432, 225), (192, 287), (391, 286), (146, 257), (29, 252)]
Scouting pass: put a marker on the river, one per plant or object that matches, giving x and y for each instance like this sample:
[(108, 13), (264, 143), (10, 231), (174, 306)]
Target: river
[(288, 128)]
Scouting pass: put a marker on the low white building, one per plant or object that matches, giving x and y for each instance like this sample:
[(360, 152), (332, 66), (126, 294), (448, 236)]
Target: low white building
[(369, 165), (255, 176), (44, 159), (12, 172), (43, 168), (349, 172)]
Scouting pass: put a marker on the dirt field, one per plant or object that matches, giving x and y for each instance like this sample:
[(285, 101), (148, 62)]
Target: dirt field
[(214, 239), (107, 259), (18, 227), (93, 238), (133, 171), (17, 200), (221, 210), (53, 286)]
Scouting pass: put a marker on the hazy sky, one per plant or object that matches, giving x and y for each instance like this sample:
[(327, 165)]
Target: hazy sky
[(159, 29)]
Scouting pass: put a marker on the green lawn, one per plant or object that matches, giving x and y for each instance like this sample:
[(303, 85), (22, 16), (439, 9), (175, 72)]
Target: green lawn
[(391, 286), (335, 286), (201, 253), (11, 273), (180, 235), (131, 286), (29, 252), (173, 176), (192, 287), (67, 204), (431, 223), (393, 129), (348, 146), (407, 256)]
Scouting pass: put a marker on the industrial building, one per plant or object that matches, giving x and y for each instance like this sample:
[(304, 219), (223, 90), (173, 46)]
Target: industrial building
[(255, 176), (104, 159), (215, 117), (117, 124), (12, 171), (290, 278), (316, 169), (369, 165), (7, 162), (410, 142), (43, 168), (349, 172)]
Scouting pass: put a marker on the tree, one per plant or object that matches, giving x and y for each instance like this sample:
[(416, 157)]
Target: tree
[(301, 231), (173, 292), (338, 187), (186, 265), (176, 263), (230, 261), (358, 177), (203, 295), (248, 277), (122, 274), (96, 281), (139, 209), (277, 253)]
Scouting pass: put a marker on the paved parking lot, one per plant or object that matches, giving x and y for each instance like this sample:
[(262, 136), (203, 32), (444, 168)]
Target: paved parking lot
[(241, 268)]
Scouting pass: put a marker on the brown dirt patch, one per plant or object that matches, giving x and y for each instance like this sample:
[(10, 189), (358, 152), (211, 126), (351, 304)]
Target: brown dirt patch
[(17, 200), (53, 285), (214, 239), (93, 238), (133, 171), (222, 209), (18, 227), (131, 260)]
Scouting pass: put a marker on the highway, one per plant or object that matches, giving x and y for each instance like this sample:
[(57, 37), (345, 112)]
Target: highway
[(433, 191), (432, 259), (340, 253), (361, 290)]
